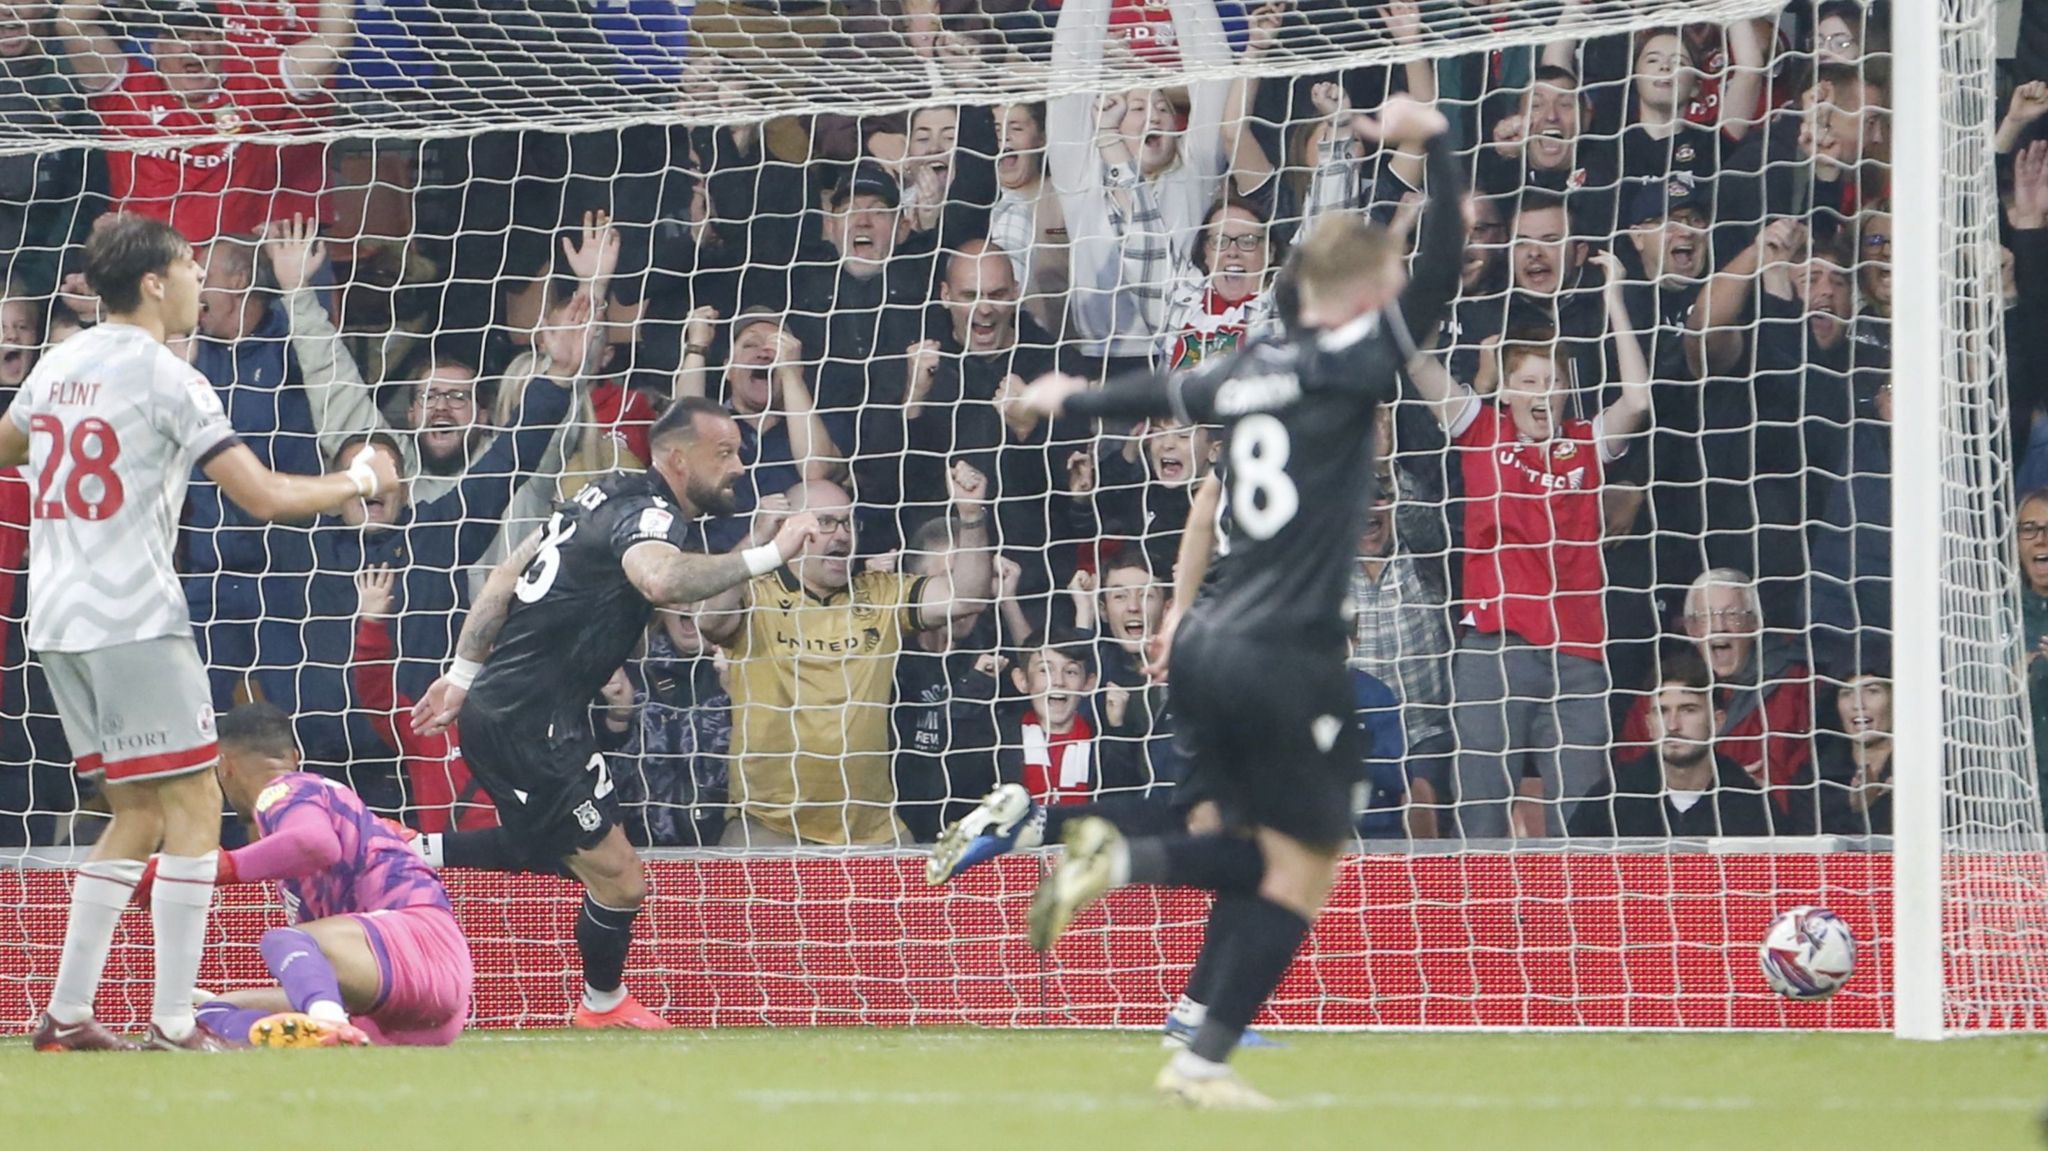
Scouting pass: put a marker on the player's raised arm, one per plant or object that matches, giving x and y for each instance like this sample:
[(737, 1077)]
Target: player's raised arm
[(1439, 250), (442, 701), (269, 495), (671, 577)]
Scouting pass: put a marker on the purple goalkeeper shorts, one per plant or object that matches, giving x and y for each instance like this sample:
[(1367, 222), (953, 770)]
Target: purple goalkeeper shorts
[(426, 975)]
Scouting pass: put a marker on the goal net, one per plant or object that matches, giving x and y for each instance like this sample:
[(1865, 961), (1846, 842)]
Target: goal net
[(1625, 645)]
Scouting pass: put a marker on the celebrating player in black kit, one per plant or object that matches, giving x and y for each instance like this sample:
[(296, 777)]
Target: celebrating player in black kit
[(1275, 745), (553, 622)]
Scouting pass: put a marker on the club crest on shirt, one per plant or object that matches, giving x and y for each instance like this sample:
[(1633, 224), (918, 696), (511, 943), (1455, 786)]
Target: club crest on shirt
[(655, 523), (587, 817), (228, 120), (1684, 154), (1567, 449), (269, 796)]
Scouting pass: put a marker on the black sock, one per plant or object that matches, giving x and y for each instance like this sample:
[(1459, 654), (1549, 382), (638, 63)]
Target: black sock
[(1133, 817), (1220, 863), (603, 936), (1256, 957), (1224, 916), (486, 849)]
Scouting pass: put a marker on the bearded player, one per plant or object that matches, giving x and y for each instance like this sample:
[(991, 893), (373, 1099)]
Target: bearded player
[(111, 424), (553, 622), (1277, 744)]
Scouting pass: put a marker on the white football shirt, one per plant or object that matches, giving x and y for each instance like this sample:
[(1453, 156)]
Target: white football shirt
[(116, 422)]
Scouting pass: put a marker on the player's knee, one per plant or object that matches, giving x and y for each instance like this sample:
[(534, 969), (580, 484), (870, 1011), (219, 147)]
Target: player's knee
[(624, 891), (1298, 876), (613, 875)]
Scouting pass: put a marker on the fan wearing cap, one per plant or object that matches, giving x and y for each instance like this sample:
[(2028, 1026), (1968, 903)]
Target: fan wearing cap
[(783, 443), (202, 88), (1776, 401), (1663, 247), (857, 304)]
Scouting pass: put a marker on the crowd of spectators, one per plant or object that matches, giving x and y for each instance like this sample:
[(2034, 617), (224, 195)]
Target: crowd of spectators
[(1627, 575)]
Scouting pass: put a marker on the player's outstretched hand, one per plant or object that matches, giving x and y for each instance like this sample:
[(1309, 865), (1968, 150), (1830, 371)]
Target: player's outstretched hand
[(795, 535), (436, 710), (1047, 395)]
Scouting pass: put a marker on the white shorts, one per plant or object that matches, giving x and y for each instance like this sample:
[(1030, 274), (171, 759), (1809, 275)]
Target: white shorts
[(134, 711)]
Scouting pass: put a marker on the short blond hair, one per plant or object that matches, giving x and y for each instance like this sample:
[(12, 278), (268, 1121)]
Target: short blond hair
[(1341, 249)]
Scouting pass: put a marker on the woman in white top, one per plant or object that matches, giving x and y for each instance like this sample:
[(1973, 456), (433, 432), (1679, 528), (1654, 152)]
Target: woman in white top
[(1103, 153)]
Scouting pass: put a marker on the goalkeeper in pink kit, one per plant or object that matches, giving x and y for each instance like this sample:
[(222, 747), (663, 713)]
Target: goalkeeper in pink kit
[(373, 953)]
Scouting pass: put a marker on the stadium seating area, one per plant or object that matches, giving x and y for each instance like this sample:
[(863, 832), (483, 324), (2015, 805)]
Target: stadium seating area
[(1542, 649)]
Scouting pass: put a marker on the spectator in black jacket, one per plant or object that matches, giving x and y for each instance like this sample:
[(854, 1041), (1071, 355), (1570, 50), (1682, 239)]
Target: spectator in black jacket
[(947, 682), (1682, 788), (987, 352), (1856, 768), (859, 306)]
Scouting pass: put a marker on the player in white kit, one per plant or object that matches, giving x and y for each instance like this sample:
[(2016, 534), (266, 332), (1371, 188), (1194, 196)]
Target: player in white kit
[(111, 424)]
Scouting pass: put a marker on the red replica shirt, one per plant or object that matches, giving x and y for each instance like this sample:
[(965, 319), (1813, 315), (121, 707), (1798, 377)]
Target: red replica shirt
[(1147, 26), (209, 188), (1532, 533), (1059, 768), (625, 415), (266, 27)]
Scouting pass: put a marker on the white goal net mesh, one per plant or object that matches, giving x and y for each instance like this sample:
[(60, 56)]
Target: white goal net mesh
[(1622, 624)]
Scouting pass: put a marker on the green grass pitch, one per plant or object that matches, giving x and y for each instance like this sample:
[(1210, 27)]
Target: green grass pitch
[(851, 1089)]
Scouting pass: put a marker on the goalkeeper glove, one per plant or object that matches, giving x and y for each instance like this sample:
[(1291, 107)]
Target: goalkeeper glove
[(224, 871)]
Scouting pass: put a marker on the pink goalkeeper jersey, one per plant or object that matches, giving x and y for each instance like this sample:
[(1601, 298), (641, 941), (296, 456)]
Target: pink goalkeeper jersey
[(304, 820)]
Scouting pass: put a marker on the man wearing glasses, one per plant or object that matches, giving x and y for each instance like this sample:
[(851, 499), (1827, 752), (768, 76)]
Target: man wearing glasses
[(1223, 292), (813, 644)]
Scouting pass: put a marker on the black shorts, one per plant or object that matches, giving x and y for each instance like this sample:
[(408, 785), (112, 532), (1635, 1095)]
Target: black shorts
[(1268, 731), (551, 784)]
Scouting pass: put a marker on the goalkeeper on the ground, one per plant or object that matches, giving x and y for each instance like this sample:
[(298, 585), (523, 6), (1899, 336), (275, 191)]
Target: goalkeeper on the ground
[(373, 953)]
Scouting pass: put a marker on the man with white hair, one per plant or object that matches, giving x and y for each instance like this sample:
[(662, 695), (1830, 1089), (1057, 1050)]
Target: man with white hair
[(1763, 688)]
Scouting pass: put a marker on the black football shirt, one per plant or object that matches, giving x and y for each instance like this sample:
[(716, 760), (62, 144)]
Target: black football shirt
[(575, 617)]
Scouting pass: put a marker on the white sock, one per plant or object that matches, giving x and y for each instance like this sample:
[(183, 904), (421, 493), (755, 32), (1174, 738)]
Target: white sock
[(184, 894), (327, 1011), (1195, 1067), (1120, 863), (1189, 1012), (603, 1001), (97, 899), (429, 847), (1032, 834)]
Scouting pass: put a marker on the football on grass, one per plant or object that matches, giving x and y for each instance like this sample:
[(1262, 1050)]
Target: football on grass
[(1808, 954)]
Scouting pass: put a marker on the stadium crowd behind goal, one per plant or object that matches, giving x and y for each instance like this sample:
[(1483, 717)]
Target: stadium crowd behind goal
[(1688, 643)]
